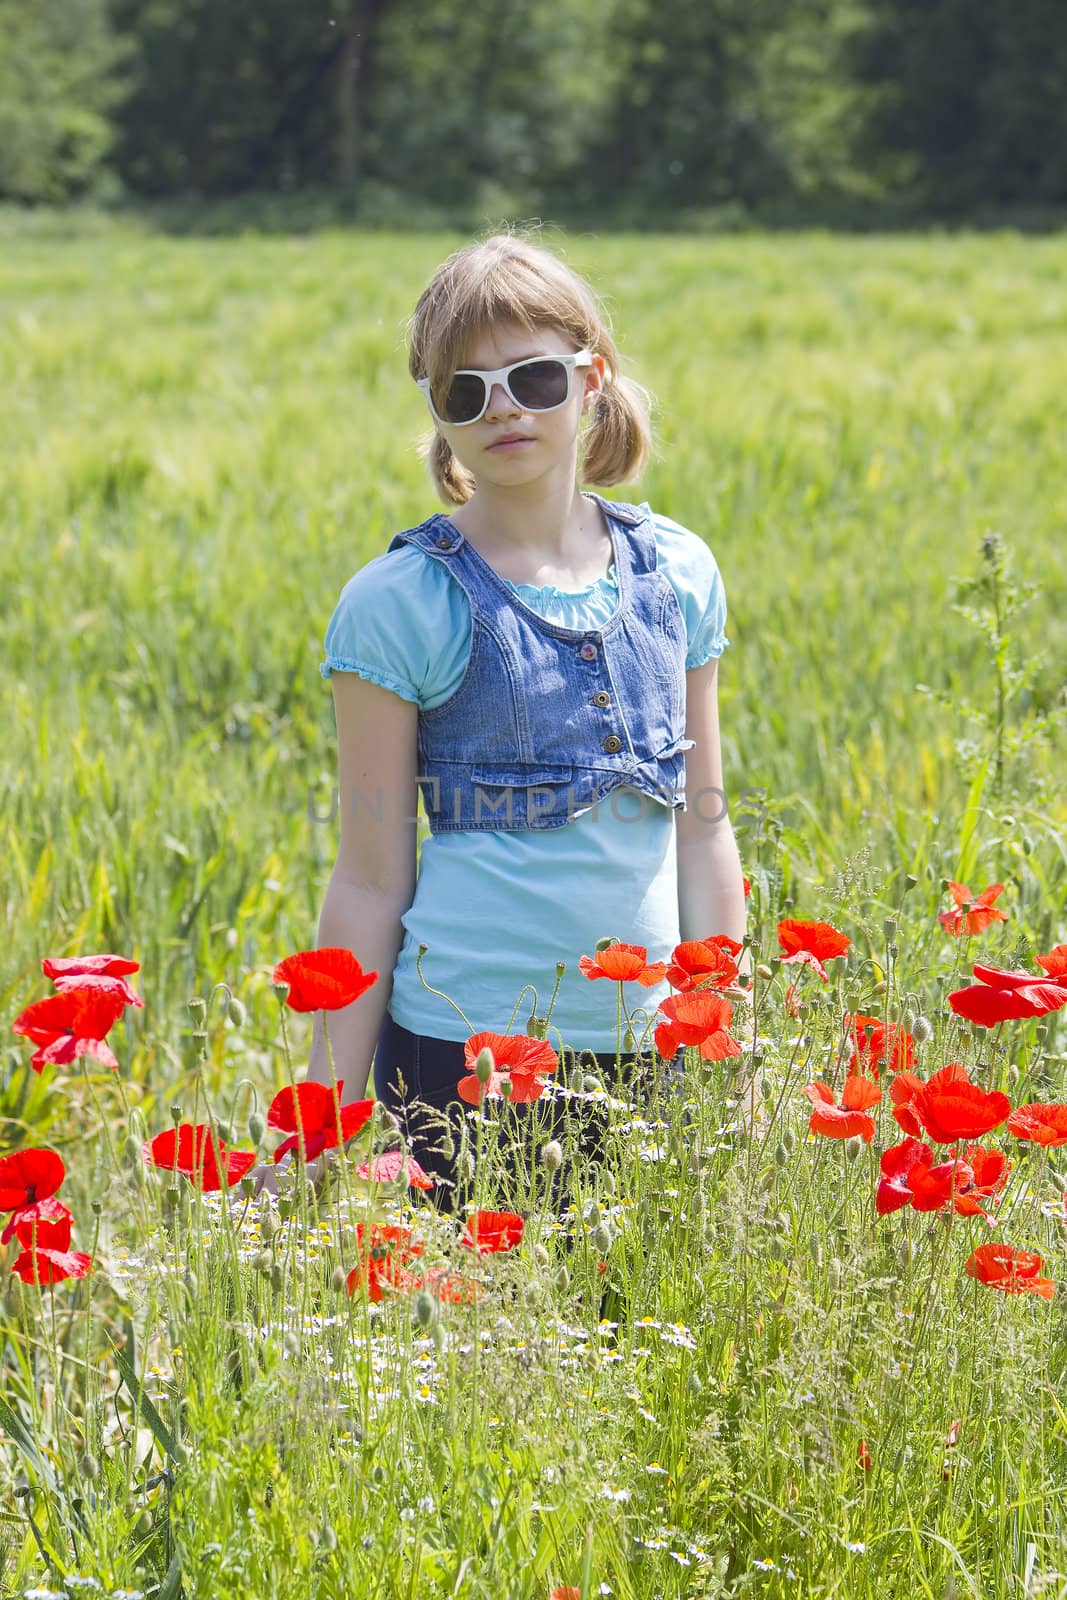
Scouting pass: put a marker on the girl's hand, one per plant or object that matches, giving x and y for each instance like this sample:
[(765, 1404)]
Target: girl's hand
[(280, 1178)]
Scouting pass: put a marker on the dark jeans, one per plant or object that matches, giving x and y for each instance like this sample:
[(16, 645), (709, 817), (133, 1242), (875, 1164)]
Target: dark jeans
[(415, 1077)]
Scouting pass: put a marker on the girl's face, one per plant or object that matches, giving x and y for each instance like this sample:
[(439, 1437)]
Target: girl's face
[(508, 446)]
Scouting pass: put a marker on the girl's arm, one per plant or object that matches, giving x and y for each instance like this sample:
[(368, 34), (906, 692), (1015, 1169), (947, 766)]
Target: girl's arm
[(711, 895), (373, 880)]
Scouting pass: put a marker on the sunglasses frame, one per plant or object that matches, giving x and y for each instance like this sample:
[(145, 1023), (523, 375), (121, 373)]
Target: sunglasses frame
[(501, 375)]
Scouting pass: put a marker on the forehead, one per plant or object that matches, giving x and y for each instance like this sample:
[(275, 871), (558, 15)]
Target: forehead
[(500, 343)]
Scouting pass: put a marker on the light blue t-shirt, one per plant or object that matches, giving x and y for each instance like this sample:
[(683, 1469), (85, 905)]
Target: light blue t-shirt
[(498, 910)]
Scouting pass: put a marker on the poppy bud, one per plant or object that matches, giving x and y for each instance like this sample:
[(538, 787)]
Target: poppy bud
[(175, 1113), (268, 1226), (236, 1012), (280, 989), (881, 986), (506, 1088), (291, 1343), (591, 1085), (743, 980), (326, 1538), (1014, 1073), (285, 1208), (602, 1238), (191, 1285), (276, 1277), (561, 967), (248, 1186), (337, 1279), (262, 1261), (541, 1255), (628, 1040), (425, 1309), (257, 1127), (909, 881), (89, 1466), (225, 1132), (551, 1155), (605, 943), (197, 1008), (536, 1027), (889, 927), (781, 1156), (789, 1139), (132, 1155), (483, 1067), (922, 1030), (853, 1148), (693, 1385), (562, 1279), (763, 970), (592, 1215), (906, 1254)]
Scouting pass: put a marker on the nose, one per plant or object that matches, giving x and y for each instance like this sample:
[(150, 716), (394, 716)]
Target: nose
[(500, 402)]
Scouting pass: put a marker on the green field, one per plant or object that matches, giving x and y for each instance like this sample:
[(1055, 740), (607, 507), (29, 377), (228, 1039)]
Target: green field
[(202, 441)]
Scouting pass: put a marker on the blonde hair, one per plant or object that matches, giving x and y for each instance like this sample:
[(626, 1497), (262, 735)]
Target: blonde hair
[(506, 278)]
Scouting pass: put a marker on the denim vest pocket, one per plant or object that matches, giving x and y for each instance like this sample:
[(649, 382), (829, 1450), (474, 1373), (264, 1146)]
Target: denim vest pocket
[(500, 791)]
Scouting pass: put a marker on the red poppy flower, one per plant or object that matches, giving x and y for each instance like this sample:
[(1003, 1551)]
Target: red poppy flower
[(518, 1059), (70, 1025), (698, 1018), (322, 980), (385, 1251), (885, 1045), (1002, 995), (746, 886), (199, 1155), (990, 1168), (864, 1456), (897, 1164), (566, 1592), (452, 1288), (27, 1176), (318, 1108), (51, 1219), (907, 1084), (1055, 963), (980, 912), (391, 1166), (850, 1117), (99, 983), (623, 963), (811, 943), (935, 1186), (950, 1107), (791, 1000), (105, 965), (1043, 1124), (51, 1266), (700, 963), (1010, 1270), (492, 1231)]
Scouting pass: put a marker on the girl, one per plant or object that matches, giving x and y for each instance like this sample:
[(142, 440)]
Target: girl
[(542, 662)]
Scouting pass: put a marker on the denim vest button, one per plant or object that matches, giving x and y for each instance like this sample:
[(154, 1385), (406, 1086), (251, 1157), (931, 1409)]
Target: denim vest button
[(444, 542), (602, 698), (612, 744), (588, 651)]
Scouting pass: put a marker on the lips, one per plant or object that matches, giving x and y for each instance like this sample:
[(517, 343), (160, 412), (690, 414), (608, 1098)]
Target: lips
[(510, 438)]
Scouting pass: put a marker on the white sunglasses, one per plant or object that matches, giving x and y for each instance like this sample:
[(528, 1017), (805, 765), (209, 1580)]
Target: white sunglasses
[(540, 383)]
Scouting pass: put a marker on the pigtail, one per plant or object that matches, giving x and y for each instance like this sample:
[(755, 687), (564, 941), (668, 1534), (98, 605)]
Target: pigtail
[(454, 484), (618, 440)]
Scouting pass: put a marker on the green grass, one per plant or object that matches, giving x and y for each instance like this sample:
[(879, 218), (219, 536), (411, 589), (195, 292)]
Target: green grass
[(203, 440)]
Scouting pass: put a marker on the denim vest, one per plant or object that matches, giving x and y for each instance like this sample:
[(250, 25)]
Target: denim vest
[(547, 721)]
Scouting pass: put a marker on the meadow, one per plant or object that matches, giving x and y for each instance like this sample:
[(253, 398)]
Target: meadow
[(716, 1369)]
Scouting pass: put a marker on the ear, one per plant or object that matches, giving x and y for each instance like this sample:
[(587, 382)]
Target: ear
[(595, 378)]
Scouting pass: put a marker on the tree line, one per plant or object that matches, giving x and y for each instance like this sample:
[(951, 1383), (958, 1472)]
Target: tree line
[(635, 110)]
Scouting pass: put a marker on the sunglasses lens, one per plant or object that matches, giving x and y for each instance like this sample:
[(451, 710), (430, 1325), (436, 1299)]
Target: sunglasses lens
[(465, 398), (540, 385)]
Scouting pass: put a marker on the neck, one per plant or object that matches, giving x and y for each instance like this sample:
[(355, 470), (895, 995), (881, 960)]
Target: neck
[(538, 518)]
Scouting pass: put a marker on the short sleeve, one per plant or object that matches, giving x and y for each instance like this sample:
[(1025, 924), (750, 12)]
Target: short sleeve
[(402, 623), (693, 573)]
